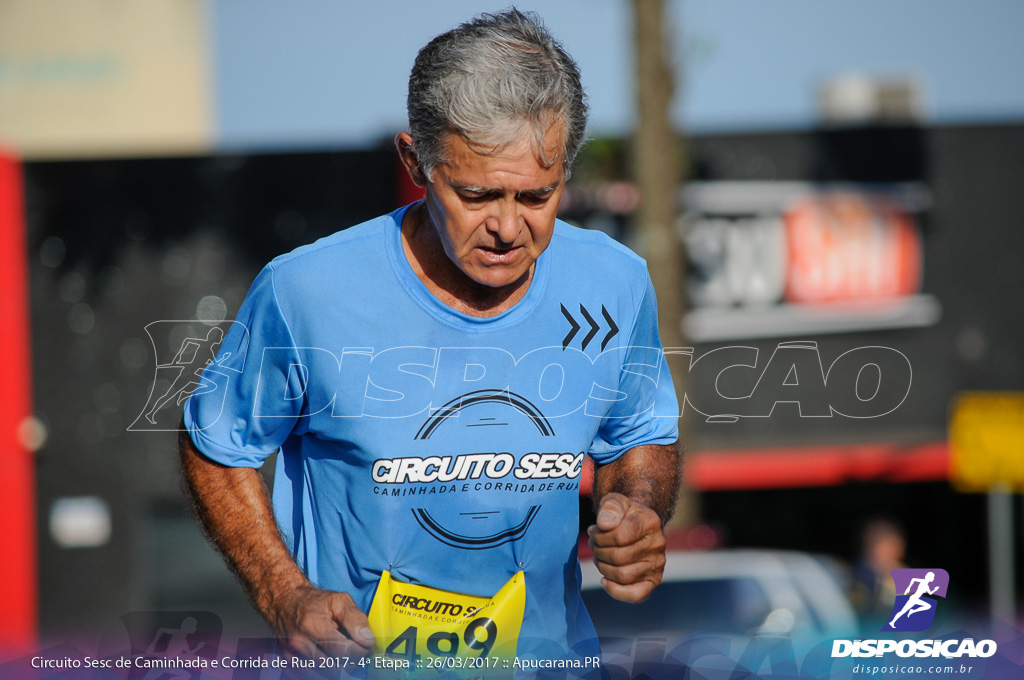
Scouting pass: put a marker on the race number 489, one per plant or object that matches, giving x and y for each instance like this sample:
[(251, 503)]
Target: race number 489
[(479, 636)]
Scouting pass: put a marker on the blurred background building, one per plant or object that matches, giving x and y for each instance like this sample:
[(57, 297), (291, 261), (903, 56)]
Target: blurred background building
[(854, 182)]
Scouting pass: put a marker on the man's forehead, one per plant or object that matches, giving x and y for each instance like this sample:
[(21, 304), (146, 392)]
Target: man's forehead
[(514, 141), (471, 165)]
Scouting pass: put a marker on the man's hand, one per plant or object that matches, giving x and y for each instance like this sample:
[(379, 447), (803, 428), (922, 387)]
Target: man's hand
[(234, 508), (634, 496), (629, 547), (314, 622)]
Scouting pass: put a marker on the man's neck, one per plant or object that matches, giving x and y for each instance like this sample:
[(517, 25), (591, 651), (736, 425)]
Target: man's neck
[(447, 282)]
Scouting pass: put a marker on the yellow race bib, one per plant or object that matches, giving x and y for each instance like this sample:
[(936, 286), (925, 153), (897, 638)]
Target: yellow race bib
[(419, 628)]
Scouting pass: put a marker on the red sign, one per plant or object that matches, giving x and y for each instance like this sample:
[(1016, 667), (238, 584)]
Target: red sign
[(846, 247), (17, 477)]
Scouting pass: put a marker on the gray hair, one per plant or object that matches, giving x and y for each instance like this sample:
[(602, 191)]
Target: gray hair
[(487, 79)]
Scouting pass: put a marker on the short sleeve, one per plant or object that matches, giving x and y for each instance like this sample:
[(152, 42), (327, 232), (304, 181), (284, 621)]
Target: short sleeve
[(647, 412), (254, 407)]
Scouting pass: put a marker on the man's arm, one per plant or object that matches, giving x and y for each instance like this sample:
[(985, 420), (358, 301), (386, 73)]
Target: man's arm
[(634, 497), (234, 508)]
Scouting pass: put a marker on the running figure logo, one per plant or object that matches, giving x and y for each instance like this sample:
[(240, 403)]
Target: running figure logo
[(194, 368), (914, 610), (191, 372)]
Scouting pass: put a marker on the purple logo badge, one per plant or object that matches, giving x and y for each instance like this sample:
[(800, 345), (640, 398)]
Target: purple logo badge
[(915, 608)]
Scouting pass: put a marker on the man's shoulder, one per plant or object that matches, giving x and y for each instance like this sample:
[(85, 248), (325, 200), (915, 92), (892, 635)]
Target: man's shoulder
[(352, 244), (594, 251)]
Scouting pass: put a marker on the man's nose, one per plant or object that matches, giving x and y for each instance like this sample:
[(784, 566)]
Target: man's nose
[(504, 224)]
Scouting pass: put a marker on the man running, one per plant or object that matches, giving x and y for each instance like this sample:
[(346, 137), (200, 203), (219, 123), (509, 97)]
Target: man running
[(420, 377)]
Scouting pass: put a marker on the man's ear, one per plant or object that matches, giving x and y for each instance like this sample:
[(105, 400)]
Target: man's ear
[(403, 143)]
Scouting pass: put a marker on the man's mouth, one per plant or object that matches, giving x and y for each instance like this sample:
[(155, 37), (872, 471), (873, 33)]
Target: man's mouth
[(498, 255)]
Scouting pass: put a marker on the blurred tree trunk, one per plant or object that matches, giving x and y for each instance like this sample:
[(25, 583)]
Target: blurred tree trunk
[(658, 172)]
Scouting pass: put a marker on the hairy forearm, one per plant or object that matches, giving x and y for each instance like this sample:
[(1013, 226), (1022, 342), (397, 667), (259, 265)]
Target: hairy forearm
[(646, 474), (234, 508)]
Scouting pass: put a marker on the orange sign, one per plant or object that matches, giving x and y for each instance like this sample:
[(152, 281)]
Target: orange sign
[(846, 247)]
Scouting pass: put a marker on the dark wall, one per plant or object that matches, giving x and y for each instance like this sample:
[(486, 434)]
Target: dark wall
[(113, 246), (973, 257)]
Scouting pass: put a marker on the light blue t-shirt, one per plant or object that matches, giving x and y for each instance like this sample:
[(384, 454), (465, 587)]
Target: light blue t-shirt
[(442, 447)]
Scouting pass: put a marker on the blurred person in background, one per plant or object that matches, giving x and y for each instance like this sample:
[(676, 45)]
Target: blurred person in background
[(497, 115), (883, 546)]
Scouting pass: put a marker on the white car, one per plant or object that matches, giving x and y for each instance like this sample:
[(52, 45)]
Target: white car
[(738, 593)]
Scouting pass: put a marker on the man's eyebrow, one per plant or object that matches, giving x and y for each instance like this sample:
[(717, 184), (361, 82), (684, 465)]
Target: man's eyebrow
[(470, 188), (542, 190), (473, 189)]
